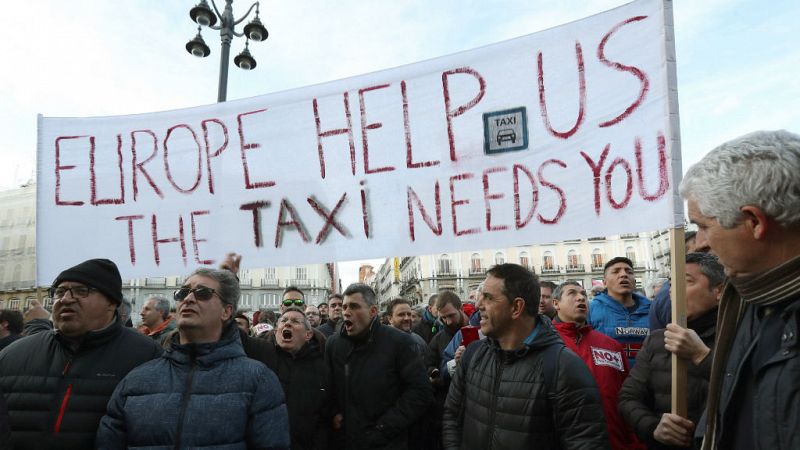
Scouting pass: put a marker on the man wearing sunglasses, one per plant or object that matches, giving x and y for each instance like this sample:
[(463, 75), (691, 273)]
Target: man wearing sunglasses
[(61, 379), (208, 393), (293, 296)]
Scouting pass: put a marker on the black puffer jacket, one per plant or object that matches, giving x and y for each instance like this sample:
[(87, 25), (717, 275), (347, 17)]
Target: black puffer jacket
[(57, 390), (500, 400), (304, 378), (379, 385), (647, 393)]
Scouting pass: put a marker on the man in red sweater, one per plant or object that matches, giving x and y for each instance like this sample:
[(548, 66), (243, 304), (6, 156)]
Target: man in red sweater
[(603, 355)]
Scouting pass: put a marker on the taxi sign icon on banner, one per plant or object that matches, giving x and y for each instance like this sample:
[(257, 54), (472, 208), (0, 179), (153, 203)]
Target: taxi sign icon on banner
[(505, 131)]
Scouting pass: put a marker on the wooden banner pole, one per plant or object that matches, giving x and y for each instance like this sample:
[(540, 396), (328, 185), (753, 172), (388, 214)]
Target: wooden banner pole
[(678, 296)]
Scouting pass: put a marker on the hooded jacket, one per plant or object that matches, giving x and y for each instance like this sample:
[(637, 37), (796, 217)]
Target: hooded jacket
[(379, 385), (196, 396), (629, 327), (428, 327), (501, 402), (604, 357), (57, 389)]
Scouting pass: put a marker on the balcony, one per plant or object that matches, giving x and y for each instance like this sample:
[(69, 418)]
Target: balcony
[(575, 268), (629, 236), (597, 268), (552, 269), (597, 238), (477, 271)]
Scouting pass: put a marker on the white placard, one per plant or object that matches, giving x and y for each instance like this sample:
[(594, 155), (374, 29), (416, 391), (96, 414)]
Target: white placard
[(556, 135)]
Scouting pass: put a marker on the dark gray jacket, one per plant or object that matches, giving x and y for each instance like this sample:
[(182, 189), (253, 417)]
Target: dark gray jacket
[(196, 396), (500, 400), (57, 389)]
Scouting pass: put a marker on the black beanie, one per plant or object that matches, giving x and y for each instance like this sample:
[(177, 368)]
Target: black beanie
[(101, 274)]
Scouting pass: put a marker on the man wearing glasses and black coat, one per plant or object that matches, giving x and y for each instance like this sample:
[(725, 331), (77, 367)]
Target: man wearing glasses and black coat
[(57, 382)]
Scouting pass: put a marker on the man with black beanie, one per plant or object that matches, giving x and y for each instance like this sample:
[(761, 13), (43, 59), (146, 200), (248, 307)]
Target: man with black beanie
[(62, 379)]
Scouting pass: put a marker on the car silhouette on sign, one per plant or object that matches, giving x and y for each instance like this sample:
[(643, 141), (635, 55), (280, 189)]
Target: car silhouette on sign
[(506, 134)]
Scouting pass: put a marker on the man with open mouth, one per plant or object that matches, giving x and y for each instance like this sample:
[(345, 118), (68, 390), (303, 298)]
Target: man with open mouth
[(618, 312), (296, 354), (378, 380), (603, 356)]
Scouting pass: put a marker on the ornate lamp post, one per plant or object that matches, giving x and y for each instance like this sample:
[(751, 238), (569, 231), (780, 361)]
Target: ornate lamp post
[(204, 16)]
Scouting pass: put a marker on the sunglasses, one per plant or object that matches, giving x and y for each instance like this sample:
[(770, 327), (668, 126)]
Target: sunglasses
[(201, 293), (294, 301)]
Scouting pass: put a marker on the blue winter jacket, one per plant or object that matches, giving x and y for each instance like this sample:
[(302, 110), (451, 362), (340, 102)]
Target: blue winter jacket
[(198, 396), (629, 328)]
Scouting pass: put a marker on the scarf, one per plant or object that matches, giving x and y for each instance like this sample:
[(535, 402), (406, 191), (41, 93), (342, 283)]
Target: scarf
[(766, 289)]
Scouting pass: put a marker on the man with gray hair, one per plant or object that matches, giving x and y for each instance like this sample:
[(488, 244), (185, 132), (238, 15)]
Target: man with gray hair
[(156, 319), (744, 197), (205, 369)]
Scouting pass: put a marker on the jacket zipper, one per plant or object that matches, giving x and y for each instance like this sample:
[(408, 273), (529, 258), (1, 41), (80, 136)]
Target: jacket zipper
[(494, 398), (65, 400), (184, 404)]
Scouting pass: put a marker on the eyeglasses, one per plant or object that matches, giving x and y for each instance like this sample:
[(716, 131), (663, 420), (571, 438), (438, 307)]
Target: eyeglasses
[(294, 301), (75, 291), (201, 293)]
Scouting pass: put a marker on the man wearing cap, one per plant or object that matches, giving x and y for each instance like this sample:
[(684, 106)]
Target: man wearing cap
[(62, 379)]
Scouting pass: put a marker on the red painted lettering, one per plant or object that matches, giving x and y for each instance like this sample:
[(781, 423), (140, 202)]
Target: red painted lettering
[(581, 96), (369, 126), (256, 208), (217, 152), (156, 241), (196, 240), (487, 197), (199, 159), (131, 246), (329, 217), (406, 125), (635, 71), (628, 187), (412, 196), (663, 178), (59, 168), (454, 203), (139, 166), (450, 113), (560, 192), (286, 207), (596, 168), (518, 222), (249, 146), (336, 131), (93, 176)]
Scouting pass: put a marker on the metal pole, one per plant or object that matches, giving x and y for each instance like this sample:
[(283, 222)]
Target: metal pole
[(226, 36)]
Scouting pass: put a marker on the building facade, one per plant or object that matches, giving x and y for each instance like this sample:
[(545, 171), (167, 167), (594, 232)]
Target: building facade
[(582, 260)]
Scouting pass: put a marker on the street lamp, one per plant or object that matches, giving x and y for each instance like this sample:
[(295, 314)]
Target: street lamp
[(204, 16)]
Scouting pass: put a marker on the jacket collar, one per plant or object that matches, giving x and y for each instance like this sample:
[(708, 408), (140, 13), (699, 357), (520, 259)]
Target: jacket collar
[(210, 353), (91, 339), (545, 334), (642, 303)]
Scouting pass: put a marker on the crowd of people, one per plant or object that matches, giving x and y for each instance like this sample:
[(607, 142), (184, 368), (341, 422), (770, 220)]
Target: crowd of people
[(519, 364)]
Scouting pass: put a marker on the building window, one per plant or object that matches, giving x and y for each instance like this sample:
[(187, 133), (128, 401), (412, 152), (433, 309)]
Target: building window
[(630, 253), (573, 259), (270, 274), (548, 262), (597, 258), (14, 304), (300, 273), (524, 261), (475, 263), (499, 258), (445, 264)]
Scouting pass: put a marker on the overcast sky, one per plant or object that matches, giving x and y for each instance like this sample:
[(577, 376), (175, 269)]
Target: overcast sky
[(738, 61)]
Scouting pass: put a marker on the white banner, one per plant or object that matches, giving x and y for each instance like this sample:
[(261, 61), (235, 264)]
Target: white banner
[(557, 135)]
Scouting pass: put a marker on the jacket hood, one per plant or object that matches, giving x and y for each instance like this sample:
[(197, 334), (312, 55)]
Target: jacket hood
[(642, 303), (210, 353)]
